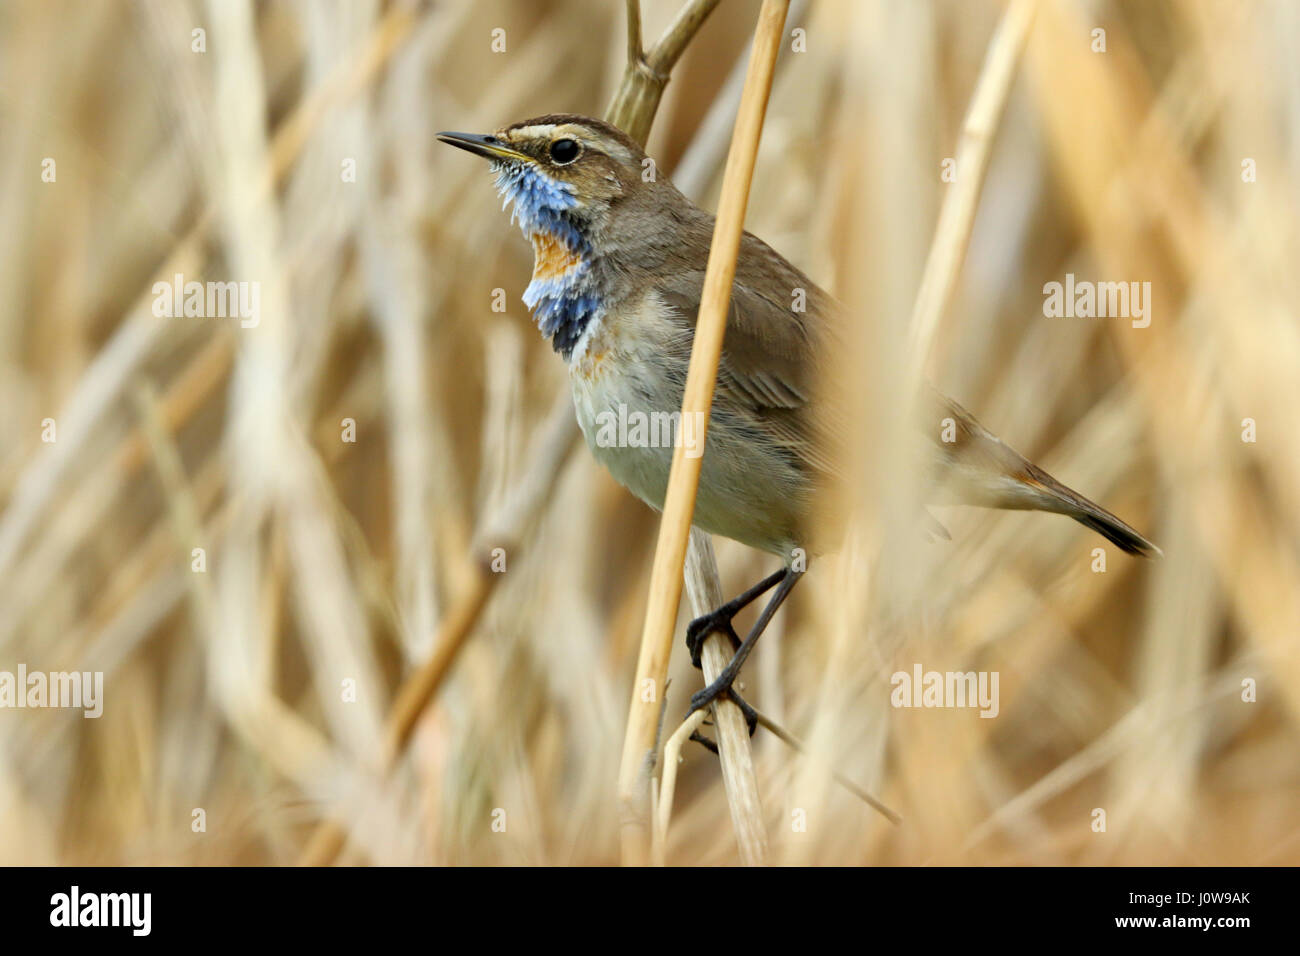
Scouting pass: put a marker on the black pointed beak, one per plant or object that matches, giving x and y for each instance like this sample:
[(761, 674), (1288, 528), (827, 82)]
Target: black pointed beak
[(488, 147)]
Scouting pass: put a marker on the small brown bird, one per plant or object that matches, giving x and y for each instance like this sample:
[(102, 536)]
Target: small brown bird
[(619, 259)]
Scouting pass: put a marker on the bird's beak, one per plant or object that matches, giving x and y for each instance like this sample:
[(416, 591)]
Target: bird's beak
[(486, 146)]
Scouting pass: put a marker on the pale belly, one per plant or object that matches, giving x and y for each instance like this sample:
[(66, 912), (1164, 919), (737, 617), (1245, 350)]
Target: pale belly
[(627, 398)]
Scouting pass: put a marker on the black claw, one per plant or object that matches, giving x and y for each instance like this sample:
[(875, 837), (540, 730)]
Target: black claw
[(722, 688), (698, 630), (719, 620), (751, 715), (699, 738)]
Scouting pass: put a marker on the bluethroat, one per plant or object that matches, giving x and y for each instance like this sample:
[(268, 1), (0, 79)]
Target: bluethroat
[(619, 259)]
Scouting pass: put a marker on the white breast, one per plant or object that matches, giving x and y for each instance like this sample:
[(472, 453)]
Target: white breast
[(619, 373), (627, 368)]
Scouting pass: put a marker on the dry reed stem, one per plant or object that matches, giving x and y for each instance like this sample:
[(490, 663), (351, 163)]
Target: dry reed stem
[(557, 440), (132, 342), (668, 782), (739, 779), (1133, 729), (690, 17), (957, 216), (679, 501), (703, 584), (296, 748), (1258, 579), (635, 103), (946, 255)]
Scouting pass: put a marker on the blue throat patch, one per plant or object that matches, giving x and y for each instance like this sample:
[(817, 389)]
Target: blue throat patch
[(563, 304)]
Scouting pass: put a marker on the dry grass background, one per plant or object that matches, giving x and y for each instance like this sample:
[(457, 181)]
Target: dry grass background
[(330, 561)]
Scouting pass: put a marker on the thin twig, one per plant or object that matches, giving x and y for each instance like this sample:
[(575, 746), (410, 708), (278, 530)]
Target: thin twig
[(635, 103), (668, 781), (634, 52), (794, 743), (685, 25)]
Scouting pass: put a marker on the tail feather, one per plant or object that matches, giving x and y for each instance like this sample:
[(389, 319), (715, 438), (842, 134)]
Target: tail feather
[(1120, 534), (1092, 515), (982, 470)]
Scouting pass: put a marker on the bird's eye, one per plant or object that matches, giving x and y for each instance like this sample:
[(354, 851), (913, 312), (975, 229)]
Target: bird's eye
[(564, 151)]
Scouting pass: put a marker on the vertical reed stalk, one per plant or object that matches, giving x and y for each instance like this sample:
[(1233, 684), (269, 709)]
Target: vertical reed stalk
[(679, 502)]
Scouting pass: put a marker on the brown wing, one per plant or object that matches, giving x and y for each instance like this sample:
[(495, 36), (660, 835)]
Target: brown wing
[(768, 365), (769, 369)]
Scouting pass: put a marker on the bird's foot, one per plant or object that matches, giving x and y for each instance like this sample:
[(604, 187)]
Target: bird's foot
[(719, 619), (711, 693), (715, 622)]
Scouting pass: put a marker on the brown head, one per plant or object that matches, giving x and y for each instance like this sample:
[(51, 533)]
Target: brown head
[(561, 166), (602, 223)]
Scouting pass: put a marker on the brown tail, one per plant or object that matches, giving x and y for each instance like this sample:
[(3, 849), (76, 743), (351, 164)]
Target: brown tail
[(983, 470), (1094, 516)]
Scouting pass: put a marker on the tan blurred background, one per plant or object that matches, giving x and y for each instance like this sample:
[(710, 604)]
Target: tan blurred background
[(256, 690)]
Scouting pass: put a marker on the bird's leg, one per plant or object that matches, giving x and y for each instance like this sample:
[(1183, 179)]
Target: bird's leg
[(750, 721), (719, 619), (722, 685)]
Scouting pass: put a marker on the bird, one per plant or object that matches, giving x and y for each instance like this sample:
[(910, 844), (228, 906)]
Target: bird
[(619, 256)]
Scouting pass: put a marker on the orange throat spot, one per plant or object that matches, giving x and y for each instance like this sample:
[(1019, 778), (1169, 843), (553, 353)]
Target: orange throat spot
[(552, 258)]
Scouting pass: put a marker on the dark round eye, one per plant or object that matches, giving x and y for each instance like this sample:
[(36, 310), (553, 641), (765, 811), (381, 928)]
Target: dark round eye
[(564, 151)]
